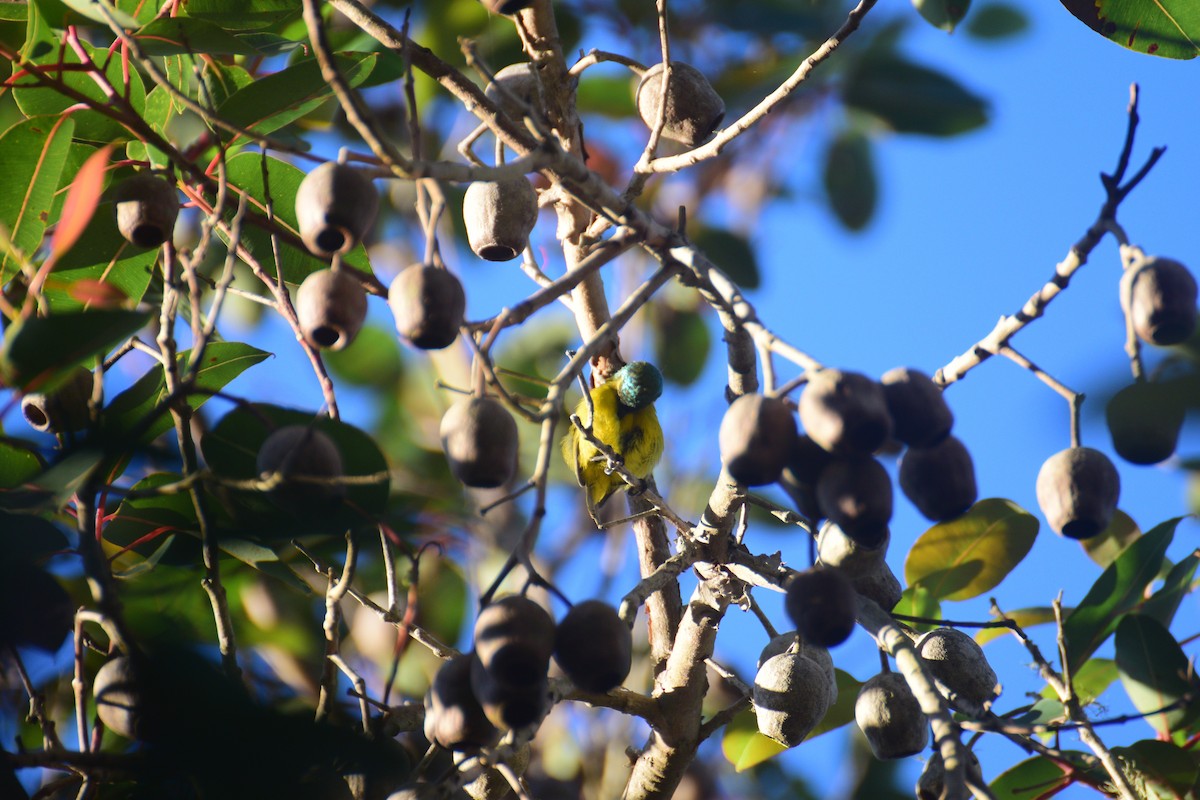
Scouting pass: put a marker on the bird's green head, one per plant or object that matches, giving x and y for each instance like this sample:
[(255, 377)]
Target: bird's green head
[(639, 384)]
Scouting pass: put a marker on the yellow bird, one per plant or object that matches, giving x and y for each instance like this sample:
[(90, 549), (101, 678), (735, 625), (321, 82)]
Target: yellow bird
[(625, 420)]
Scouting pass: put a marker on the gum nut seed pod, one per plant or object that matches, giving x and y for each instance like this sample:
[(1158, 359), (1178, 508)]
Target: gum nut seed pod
[(509, 705), (838, 549), (694, 109), (791, 695), (806, 461), (1077, 490), (499, 216), (64, 408), (1161, 294), (454, 718), (119, 698), (957, 662), (919, 412), (301, 451), (856, 494), (879, 584), (939, 480), (515, 89), (822, 604), (428, 304), (756, 437), (845, 412), (593, 646), (505, 6), (146, 207), (514, 638), (791, 640), (932, 783), (335, 207), (480, 440), (890, 716), (331, 306), (1145, 420)]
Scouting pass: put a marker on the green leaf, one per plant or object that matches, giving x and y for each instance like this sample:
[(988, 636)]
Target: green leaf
[(1170, 770), (681, 345), (374, 361), (231, 449), (744, 747), (1089, 681), (607, 95), (944, 14), (1154, 671), (29, 538), (264, 560), (32, 154), (36, 347), (1167, 28), (1163, 604), (911, 98), (732, 252), (918, 601), (19, 462), (996, 21), (970, 555), (849, 179), (245, 172), (1117, 591), (17, 11), (176, 35), (87, 9), (1025, 617), (35, 100), (148, 526), (128, 412), (244, 15), (1119, 534), (1031, 779), (276, 100), (443, 599)]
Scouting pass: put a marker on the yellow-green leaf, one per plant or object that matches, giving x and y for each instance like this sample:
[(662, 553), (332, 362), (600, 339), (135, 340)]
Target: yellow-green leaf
[(970, 555)]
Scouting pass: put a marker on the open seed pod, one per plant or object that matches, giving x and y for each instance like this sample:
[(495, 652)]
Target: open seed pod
[(120, 699), (499, 216), (845, 412), (890, 717), (146, 207), (932, 783), (428, 305), (514, 638), (454, 718), (515, 89), (1145, 420), (694, 109), (958, 664), (756, 438), (593, 646), (791, 695), (505, 6), (1077, 490), (920, 416), (821, 603), (480, 440), (331, 306), (856, 494), (305, 453), (335, 207), (836, 548), (507, 704), (64, 408), (939, 479), (1161, 294)]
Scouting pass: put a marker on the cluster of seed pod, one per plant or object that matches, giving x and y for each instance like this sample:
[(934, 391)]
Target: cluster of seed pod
[(503, 683)]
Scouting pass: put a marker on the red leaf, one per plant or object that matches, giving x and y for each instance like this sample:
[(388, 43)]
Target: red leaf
[(82, 199)]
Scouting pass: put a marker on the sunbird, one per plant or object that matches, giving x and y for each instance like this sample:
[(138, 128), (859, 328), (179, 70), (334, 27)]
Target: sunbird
[(625, 420)]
